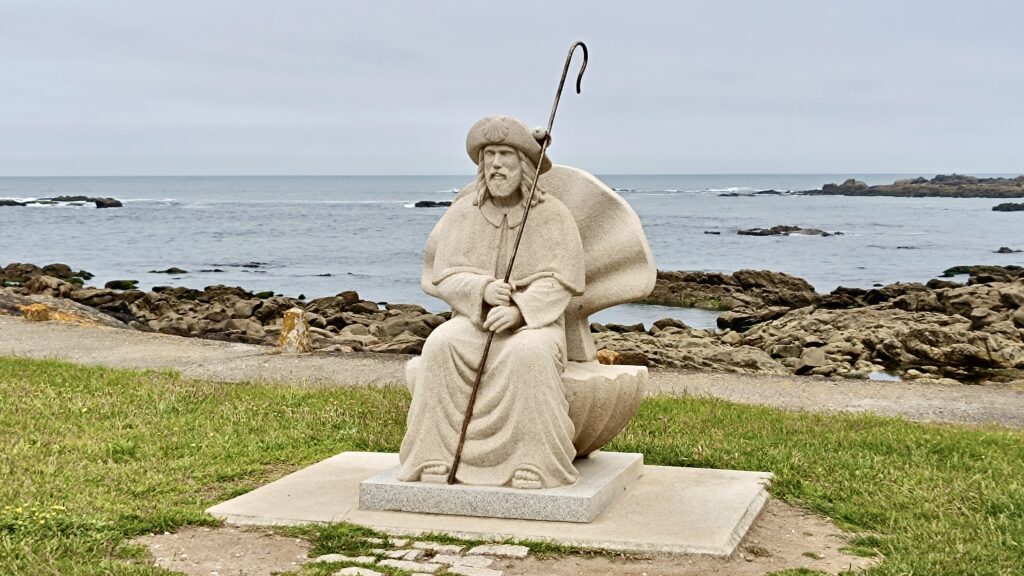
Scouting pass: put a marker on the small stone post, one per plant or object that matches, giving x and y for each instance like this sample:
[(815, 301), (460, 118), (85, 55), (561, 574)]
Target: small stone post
[(295, 336)]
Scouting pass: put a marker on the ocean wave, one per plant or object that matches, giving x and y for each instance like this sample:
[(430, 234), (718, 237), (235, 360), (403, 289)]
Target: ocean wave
[(208, 203), (63, 205), (732, 189)]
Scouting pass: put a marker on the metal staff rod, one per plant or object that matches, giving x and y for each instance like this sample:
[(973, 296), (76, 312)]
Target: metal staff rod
[(515, 249)]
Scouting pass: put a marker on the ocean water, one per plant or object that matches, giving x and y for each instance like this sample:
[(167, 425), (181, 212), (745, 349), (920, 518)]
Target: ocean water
[(320, 235)]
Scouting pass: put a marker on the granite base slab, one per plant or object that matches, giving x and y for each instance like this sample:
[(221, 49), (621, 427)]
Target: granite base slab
[(667, 509), (603, 476)]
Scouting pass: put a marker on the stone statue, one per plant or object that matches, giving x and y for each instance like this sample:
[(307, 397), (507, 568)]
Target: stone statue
[(522, 433)]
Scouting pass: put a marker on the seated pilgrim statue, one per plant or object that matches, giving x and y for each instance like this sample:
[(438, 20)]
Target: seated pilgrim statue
[(543, 400)]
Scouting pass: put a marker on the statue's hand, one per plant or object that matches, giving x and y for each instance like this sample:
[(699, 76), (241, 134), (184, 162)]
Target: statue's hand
[(502, 318), (498, 293)]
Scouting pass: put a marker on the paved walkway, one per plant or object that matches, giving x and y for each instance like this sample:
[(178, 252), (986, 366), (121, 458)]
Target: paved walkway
[(228, 362)]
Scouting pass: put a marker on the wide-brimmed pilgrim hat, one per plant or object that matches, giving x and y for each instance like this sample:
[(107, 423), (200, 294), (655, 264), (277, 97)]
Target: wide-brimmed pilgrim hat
[(508, 131)]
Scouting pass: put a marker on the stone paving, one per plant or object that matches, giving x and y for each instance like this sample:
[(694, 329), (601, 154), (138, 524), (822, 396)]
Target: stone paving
[(422, 557)]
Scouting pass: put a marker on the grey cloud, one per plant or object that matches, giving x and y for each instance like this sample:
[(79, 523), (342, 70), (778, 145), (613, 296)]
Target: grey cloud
[(360, 88)]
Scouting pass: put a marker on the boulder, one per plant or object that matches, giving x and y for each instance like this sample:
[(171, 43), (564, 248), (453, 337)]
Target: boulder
[(295, 336), (364, 307), (405, 308), (121, 284), (49, 286), (411, 323), (608, 357), (19, 273), (404, 343), (684, 348), (717, 291), (47, 308), (625, 328), (1009, 207), (786, 231), (107, 203), (742, 318), (670, 323)]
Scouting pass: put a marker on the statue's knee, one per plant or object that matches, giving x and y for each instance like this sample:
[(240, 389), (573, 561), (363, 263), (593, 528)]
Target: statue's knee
[(528, 346), (439, 339), (449, 334)]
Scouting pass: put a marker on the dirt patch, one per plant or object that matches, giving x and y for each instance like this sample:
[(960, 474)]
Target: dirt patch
[(783, 537), (226, 551)]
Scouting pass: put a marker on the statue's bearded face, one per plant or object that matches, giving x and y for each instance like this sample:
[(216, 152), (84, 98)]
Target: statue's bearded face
[(502, 171)]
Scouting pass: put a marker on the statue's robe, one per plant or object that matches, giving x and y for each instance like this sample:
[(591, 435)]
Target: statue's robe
[(521, 417)]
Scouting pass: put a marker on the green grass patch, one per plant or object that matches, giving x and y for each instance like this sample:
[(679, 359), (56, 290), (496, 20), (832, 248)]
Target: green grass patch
[(934, 499), (93, 456)]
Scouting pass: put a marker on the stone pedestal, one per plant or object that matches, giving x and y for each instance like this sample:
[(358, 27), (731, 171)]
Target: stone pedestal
[(603, 477), (667, 509)]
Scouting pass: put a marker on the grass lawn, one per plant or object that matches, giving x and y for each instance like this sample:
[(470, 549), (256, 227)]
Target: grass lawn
[(93, 456)]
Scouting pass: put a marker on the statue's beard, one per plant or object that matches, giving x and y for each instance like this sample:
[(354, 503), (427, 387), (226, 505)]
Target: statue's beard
[(502, 187)]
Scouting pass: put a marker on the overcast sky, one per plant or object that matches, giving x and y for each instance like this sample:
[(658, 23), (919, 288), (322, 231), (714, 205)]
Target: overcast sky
[(330, 87)]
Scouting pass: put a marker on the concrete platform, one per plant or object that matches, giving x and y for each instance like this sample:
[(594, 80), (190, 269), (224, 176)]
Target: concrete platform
[(668, 509), (603, 477)]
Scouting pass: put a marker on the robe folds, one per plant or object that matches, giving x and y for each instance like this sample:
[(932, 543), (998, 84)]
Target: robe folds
[(521, 417)]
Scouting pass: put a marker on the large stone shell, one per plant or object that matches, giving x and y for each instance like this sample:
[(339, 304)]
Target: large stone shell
[(602, 399)]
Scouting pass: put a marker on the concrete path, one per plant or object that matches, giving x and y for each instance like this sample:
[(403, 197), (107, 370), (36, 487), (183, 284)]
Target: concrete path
[(228, 362)]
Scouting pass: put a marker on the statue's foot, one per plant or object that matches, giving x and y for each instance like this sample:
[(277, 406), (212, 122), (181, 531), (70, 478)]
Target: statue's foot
[(437, 474), (526, 480)]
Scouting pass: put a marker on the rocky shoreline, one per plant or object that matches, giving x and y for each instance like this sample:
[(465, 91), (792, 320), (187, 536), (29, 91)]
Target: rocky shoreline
[(772, 323), (942, 185)]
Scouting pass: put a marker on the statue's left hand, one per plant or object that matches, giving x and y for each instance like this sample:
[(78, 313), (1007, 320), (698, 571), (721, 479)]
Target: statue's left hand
[(502, 318)]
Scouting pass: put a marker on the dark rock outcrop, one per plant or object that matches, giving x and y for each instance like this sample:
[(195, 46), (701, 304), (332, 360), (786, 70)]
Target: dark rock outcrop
[(717, 291), (947, 186), (786, 231), (70, 200), (1009, 207), (107, 202), (17, 274), (121, 284), (431, 204)]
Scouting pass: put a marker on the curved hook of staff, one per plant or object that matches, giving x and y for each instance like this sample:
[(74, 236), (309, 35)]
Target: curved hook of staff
[(561, 83)]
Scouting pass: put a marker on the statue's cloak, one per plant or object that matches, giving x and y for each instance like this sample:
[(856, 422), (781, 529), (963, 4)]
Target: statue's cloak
[(467, 237), (619, 266)]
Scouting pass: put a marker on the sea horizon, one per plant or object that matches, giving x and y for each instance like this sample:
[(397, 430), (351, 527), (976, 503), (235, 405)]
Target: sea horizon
[(319, 235)]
